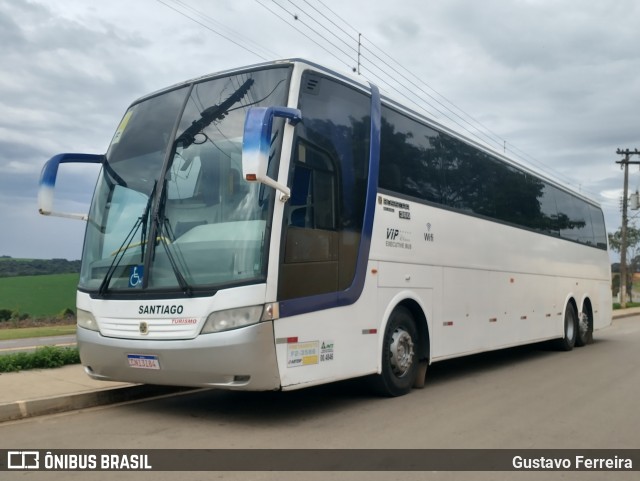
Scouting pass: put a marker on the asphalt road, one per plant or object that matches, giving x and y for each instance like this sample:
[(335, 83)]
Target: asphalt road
[(521, 398), (30, 344)]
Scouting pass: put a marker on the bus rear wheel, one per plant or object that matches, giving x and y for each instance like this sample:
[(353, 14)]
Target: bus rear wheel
[(585, 330), (399, 355), (570, 330)]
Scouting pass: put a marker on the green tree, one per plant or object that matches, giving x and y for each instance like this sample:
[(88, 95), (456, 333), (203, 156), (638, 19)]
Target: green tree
[(633, 252)]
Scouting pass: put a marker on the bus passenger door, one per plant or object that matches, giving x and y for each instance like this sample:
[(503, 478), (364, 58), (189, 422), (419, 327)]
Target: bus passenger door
[(311, 238)]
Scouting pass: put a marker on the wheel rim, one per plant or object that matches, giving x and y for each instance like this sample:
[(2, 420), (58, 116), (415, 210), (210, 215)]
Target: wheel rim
[(401, 351), (583, 324)]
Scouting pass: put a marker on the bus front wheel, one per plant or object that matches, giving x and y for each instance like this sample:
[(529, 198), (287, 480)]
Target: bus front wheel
[(399, 355), (570, 330)]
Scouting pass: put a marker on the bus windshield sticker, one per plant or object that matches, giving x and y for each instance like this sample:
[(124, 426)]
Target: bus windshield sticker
[(123, 125), (135, 275)]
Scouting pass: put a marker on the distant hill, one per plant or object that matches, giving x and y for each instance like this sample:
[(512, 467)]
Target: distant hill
[(10, 267)]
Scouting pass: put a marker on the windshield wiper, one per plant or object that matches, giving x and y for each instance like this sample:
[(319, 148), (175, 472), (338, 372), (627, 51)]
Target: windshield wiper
[(162, 226), (209, 115), (119, 254)]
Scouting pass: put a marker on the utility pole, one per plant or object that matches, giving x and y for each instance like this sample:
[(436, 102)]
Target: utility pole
[(623, 230)]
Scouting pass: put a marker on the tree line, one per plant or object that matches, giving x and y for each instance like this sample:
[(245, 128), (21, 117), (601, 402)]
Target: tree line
[(10, 267)]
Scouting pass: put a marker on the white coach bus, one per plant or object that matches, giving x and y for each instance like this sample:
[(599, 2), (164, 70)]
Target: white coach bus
[(283, 225)]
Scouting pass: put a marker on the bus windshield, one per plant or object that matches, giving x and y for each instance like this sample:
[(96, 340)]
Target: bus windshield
[(171, 210)]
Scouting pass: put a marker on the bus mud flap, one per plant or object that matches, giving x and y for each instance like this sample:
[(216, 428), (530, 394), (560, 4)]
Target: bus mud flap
[(421, 374)]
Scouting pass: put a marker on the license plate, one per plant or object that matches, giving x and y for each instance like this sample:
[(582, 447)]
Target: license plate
[(143, 361)]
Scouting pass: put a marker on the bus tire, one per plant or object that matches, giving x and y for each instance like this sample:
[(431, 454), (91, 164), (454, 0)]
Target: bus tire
[(399, 355), (584, 335), (570, 330)]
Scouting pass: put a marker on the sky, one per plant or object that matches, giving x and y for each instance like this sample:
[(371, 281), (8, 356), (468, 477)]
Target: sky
[(554, 83)]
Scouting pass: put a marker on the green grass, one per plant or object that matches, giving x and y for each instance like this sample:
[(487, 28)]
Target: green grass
[(39, 296), (29, 332), (616, 305)]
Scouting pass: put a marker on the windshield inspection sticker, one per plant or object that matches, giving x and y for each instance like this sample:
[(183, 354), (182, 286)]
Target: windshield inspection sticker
[(121, 127), (302, 353)]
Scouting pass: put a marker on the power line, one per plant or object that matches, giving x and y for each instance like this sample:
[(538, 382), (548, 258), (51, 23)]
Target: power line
[(298, 19), (303, 33), (244, 47), (331, 22), (402, 81), (501, 140), (229, 31), (475, 133), (479, 128)]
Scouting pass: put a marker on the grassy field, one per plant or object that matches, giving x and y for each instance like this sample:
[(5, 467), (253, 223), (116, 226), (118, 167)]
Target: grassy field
[(29, 332), (39, 296)]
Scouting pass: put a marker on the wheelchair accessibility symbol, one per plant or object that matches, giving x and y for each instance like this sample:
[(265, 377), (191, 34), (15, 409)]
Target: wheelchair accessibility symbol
[(135, 276)]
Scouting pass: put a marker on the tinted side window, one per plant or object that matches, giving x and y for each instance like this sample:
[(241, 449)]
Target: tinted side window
[(583, 219), (409, 162), (516, 197), (599, 229), (571, 219), (421, 162), (469, 177), (547, 219)]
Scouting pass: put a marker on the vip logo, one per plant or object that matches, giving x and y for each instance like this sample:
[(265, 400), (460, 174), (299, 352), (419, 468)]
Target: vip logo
[(392, 234)]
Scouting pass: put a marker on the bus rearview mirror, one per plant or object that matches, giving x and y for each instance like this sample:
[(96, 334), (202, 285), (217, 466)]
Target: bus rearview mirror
[(48, 181)]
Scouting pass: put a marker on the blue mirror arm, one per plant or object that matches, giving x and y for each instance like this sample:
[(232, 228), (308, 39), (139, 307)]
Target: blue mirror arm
[(256, 144)]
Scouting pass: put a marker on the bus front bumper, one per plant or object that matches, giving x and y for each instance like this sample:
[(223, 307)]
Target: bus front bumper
[(241, 359)]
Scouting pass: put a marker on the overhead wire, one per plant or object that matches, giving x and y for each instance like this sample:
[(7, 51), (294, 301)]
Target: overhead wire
[(477, 128), (419, 79), (226, 37), (383, 72), (293, 15), (349, 45), (229, 31), (480, 131), (370, 61)]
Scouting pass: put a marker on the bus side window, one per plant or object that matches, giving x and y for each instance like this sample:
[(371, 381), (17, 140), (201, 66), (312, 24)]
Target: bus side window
[(313, 190)]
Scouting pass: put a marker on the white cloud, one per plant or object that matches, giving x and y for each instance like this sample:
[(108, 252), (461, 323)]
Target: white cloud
[(555, 79)]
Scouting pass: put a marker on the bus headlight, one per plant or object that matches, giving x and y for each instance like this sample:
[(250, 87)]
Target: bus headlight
[(232, 319), (85, 319)]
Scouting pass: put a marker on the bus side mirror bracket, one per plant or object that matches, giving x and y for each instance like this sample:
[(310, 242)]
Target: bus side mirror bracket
[(256, 144), (48, 181)]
